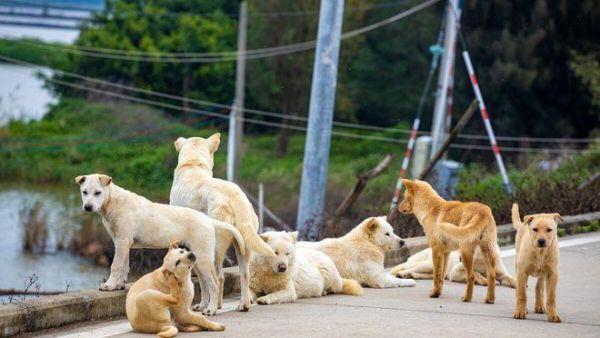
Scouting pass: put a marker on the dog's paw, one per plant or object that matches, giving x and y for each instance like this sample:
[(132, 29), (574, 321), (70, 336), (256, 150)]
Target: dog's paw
[(540, 309), (520, 314), (218, 327), (490, 300), (199, 307), (109, 287), (554, 318), (434, 293), (407, 282), (404, 275), (264, 300), (465, 299), (209, 312), (241, 307)]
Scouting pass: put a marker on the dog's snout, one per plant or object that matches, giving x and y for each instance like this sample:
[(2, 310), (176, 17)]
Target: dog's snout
[(541, 242), (401, 243), (87, 207), (191, 256), (281, 267)]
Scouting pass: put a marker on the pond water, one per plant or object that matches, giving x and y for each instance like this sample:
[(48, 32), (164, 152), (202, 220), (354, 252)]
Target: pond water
[(54, 268)]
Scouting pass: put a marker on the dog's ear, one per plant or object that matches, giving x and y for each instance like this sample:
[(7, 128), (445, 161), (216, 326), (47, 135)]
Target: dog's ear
[(558, 218), (264, 237), (105, 180), (80, 179), (527, 219), (214, 140), (408, 184), (294, 236), (372, 224), (179, 143), (174, 244)]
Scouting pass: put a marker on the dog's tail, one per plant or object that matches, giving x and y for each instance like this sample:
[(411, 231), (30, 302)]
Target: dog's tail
[(462, 234), (516, 218), (247, 222), (400, 267), (351, 287), (234, 231)]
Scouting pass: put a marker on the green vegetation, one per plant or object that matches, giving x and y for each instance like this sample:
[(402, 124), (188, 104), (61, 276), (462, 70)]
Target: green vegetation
[(133, 143), (536, 190)]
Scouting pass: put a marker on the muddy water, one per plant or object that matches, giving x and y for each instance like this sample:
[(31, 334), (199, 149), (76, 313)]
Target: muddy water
[(54, 267)]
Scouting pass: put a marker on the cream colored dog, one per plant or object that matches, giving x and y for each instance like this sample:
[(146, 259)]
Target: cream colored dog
[(420, 266), (165, 295), (536, 244), (195, 187), (360, 253), (132, 221), (294, 273)]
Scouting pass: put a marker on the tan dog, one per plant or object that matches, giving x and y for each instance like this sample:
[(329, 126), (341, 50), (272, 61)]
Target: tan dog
[(450, 226), (132, 221), (195, 187), (360, 254), (536, 244), (420, 266), (295, 272), (165, 295)]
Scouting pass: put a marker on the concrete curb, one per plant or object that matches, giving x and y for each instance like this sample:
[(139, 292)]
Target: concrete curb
[(68, 308), (55, 311)]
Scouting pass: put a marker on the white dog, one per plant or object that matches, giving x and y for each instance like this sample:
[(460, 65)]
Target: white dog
[(360, 253), (132, 221), (195, 187), (420, 266), (294, 273)]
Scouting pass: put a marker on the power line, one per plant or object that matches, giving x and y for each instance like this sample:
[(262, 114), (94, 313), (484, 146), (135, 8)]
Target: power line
[(227, 56), (293, 117), (299, 128)]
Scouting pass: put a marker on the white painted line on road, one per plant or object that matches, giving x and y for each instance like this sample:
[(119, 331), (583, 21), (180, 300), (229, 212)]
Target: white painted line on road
[(123, 326), (561, 244)]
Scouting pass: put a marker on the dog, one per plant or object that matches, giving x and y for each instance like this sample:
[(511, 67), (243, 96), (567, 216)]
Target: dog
[(360, 254), (420, 266), (450, 226), (536, 244), (165, 295), (294, 273), (195, 187), (132, 221)]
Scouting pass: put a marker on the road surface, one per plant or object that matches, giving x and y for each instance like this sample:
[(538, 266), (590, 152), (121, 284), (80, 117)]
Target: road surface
[(409, 312)]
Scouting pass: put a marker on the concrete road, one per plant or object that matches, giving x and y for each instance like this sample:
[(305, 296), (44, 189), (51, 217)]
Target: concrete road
[(409, 312)]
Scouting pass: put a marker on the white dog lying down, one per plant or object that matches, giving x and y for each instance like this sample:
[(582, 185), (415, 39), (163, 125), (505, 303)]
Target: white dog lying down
[(294, 273), (132, 221), (165, 295), (360, 253), (420, 266)]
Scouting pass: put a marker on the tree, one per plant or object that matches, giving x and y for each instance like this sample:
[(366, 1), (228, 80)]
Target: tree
[(161, 26)]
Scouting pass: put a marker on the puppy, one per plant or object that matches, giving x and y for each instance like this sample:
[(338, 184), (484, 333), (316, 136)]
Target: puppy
[(132, 221), (294, 273), (450, 226), (195, 187), (165, 295), (420, 266), (360, 254), (536, 244)]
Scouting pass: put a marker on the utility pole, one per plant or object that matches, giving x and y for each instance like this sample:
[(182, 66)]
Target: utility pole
[(320, 118), (236, 117), (445, 79)]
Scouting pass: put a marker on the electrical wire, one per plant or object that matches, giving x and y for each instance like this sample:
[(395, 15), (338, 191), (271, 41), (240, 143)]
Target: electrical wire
[(227, 56)]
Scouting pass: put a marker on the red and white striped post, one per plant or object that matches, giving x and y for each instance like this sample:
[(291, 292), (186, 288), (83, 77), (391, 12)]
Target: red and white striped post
[(486, 122), (407, 156)]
